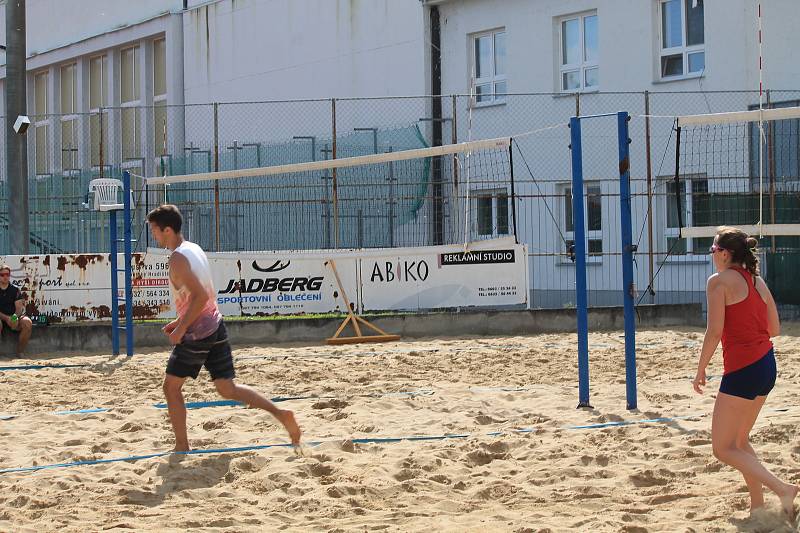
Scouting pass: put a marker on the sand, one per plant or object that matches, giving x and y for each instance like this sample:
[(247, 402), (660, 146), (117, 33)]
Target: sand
[(658, 476)]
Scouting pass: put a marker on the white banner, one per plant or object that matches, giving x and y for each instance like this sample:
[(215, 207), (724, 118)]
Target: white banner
[(491, 273), (76, 287)]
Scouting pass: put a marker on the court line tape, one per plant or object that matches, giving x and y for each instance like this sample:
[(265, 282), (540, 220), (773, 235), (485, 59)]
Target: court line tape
[(39, 367), (231, 403), (277, 399), (213, 451), (360, 440)]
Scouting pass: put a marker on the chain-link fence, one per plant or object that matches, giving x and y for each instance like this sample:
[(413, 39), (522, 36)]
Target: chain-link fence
[(423, 202)]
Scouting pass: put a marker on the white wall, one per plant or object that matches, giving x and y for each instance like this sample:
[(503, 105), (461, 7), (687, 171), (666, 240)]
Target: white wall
[(55, 23), (289, 49)]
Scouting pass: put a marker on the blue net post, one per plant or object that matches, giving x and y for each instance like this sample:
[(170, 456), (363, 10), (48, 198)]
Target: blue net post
[(628, 287), (112, 217), (582, 307), (126, 202)]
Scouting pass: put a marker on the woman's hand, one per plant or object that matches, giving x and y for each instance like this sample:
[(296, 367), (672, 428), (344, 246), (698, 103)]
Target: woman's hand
[(699, 380)]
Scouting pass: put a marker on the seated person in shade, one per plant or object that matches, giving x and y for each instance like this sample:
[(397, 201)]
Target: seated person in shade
[(12, 310)]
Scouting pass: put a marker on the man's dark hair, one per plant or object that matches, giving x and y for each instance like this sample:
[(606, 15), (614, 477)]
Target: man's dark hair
[(166, 216)]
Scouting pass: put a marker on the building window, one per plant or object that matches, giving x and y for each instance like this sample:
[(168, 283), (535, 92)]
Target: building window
[(695, 200), (69, 118), (41, 123), (682, 38), (491, 212), (593, 213), (489, 66), (160, 96), (98, 98), (130, 100), (578, 61)]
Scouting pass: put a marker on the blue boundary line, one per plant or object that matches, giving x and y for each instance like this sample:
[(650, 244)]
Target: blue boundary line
[(360, 440), (39, 367), (234, 403), (209, 451)]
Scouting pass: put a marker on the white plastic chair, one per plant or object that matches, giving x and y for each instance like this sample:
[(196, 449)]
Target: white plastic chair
[(105, 194)]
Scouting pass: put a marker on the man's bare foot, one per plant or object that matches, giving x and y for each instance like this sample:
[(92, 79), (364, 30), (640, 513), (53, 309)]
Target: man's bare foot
[(286, 418), (181, 448), (787, 501)]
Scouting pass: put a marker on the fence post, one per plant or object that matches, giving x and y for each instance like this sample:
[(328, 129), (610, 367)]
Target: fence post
[(649, 193), (216, 182), (513, 192), (391, 201), (456, 203), (771, 166), (334, 183), (102, 162)]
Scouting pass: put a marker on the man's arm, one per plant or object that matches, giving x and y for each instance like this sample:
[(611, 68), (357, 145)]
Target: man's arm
[(183, 278), (19, 304)]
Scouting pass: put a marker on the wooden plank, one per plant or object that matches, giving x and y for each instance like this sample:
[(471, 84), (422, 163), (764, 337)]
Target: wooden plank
[(368, 338)]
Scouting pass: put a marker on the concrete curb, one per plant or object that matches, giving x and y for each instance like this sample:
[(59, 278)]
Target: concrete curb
[(94, 337)]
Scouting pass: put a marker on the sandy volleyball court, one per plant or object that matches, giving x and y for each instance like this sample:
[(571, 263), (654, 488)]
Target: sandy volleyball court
[(486, 476)]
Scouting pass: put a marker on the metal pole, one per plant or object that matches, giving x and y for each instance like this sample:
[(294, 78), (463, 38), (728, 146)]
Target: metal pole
[(216, 169), (374, 137), (628, 286), (327, 211), (650, 258), (334, 184), (582, 308), (102, 162), (391, 201), (112, 219), (454, 135), (360, 232), (126, 203), (771, 166), (16, 145), (513, 192), (678, 180)]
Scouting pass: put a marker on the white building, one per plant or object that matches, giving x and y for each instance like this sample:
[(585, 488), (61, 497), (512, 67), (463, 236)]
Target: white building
[(170, 52), (566, 56)]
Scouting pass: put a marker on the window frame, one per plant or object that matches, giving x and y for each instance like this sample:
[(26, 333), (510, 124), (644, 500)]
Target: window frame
[(691, 254), (131, 105), (492, 98), (159, 101), (569, 234), (584, 64), (97, 111), (683, 50), (69, 119), (495, 194)]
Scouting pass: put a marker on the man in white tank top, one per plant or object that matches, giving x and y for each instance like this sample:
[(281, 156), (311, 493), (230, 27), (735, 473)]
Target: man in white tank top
[(198, 333)]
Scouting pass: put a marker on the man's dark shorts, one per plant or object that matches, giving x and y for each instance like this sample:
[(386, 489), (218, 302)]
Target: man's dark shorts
[(213, 352)]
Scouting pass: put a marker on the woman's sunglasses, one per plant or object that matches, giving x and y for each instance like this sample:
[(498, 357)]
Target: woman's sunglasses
[(715, 248)]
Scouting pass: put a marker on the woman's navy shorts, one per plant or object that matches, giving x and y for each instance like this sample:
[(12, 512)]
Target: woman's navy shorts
[(756, 379)]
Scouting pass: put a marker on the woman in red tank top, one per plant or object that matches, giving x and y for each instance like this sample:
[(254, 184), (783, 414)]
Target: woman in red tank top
[(741, 314)]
